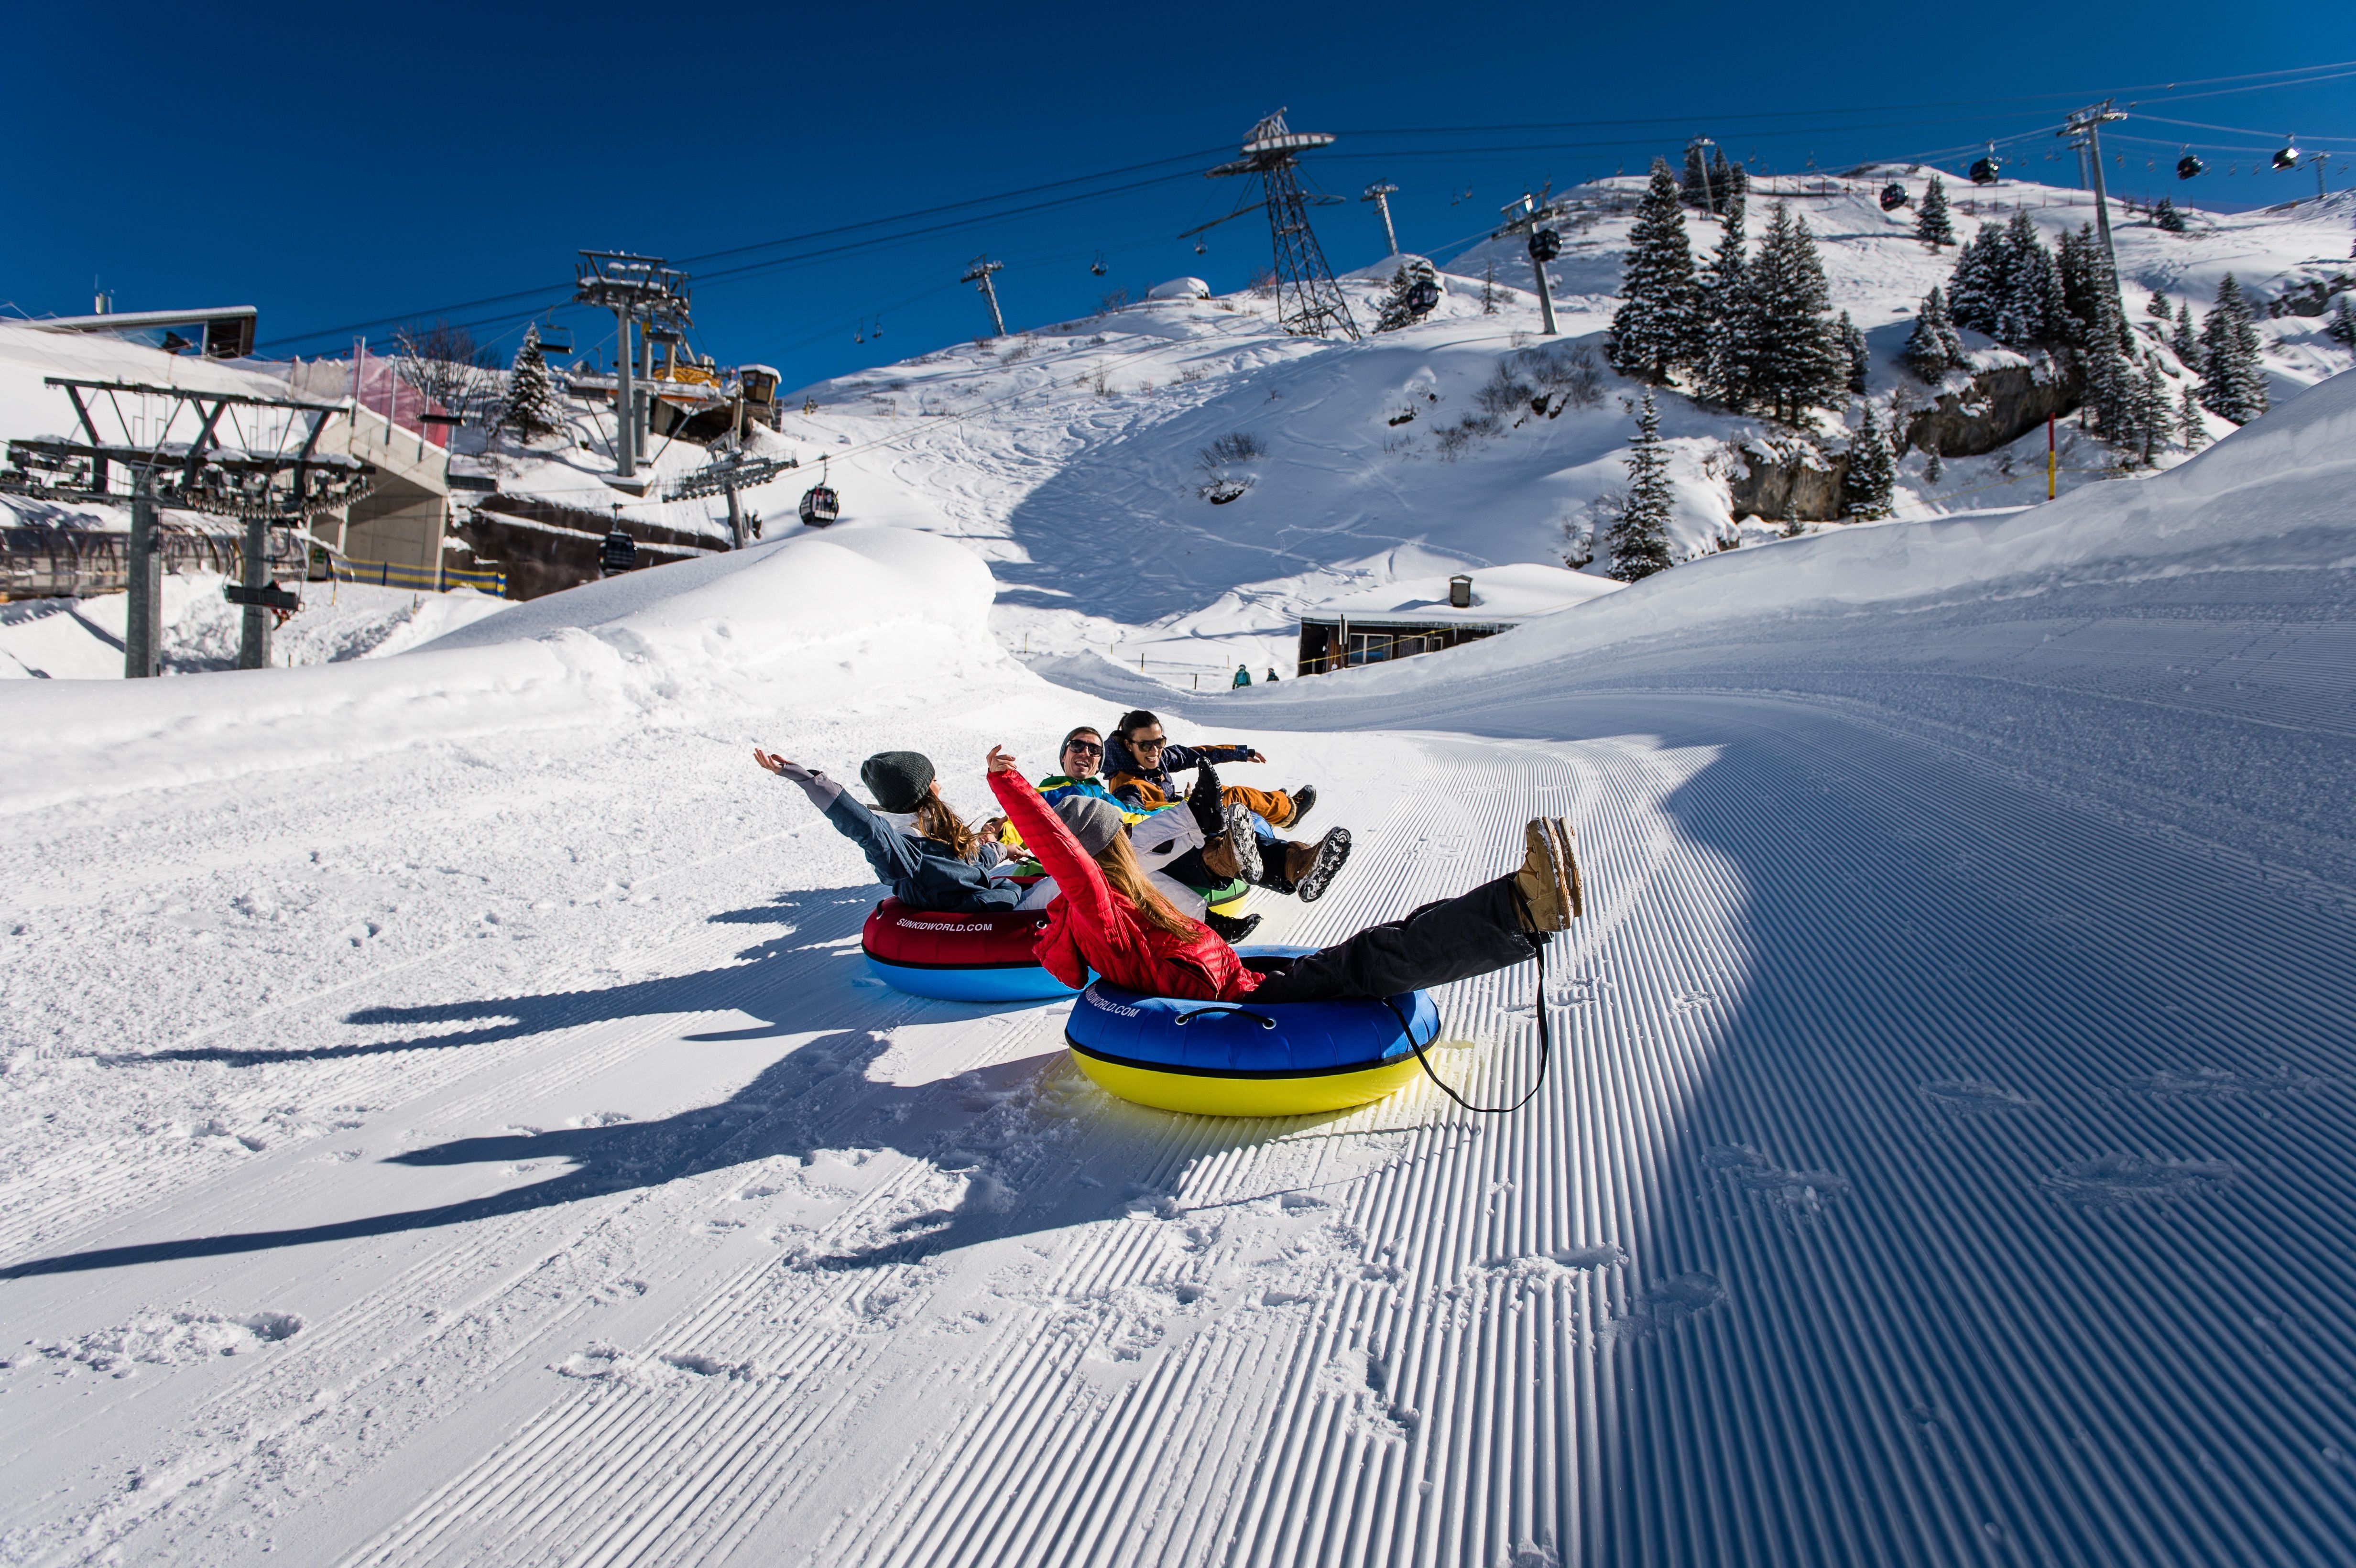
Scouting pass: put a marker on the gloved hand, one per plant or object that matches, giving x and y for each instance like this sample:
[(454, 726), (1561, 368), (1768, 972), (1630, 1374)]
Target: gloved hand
[(823, 791)]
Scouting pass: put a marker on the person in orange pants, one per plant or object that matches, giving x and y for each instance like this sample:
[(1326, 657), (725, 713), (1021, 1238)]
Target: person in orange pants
[(1139, 758)]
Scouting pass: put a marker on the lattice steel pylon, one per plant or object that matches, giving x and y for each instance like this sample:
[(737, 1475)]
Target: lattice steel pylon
[(1308, 303)]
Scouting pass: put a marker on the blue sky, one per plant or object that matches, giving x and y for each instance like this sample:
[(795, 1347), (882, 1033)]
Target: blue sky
[(341, 167)]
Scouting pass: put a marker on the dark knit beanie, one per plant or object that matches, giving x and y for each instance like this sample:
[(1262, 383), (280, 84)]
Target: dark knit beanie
[(1095, 823), (898, 780)]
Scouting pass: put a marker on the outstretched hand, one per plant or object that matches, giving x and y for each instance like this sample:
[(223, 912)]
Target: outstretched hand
[(1255, 757), (777, 765), (1002, 760)]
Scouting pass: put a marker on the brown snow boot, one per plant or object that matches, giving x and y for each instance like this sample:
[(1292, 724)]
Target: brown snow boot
[(1548, 882)]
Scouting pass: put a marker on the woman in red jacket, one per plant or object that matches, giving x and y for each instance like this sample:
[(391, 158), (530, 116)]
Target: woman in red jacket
[(1110, 920)]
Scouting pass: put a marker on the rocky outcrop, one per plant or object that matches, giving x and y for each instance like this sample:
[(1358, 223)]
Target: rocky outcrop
[(1994, 404), (1787, 476)]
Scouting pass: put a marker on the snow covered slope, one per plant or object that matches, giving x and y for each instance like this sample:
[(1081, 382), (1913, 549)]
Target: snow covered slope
[(448, 1119)]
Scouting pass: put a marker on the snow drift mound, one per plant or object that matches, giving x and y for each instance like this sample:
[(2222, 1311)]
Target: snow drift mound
[(799, 625), (2279, 495), (2177, 648)]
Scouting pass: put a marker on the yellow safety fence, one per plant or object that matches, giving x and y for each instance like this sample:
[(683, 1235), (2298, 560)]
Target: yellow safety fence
[(429, 578)]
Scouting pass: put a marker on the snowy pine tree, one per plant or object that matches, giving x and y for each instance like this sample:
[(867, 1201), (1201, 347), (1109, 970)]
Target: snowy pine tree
[(1655, 331), (2156, 307), (1859, 361), (1933, 349), (2190, 428), (2164, 216), (2342, 328), (2153, 412), (2232, 382), (1723, 367), (1789, 337), (1932, 467), (1396, 309), (1711, 189), (1640, 538), (2007, 284), (2185, 343), (1932, 225), (1871, 481), (2084, 269), (1489, 290), (531, 408)]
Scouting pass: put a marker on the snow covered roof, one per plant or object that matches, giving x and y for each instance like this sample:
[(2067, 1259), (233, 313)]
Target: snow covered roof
[(1180, 288), (1513, 593)]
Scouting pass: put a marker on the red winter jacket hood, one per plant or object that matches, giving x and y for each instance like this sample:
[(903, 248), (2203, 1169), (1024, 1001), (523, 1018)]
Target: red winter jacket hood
[(1093, 927)]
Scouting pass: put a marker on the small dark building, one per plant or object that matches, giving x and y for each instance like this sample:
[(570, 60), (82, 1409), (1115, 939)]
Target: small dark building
[(1423, 615)]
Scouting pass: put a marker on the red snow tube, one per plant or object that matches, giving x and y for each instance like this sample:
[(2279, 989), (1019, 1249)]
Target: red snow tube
[(958, 957)]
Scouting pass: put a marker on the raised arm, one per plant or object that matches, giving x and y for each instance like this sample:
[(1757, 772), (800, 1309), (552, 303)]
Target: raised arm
[(1044, 834), (1178, 758), (889, 853)]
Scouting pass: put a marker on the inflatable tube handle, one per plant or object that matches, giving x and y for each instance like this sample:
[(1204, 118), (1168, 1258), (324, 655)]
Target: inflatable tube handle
[(1265, 1021)]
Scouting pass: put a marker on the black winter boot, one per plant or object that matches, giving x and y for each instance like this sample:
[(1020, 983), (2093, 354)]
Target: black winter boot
[(1202, 800), (1331, 850), (1302, 799), (1230, 930)]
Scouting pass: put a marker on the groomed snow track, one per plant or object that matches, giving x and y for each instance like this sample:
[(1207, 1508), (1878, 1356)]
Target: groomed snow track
[(1931, 1173)]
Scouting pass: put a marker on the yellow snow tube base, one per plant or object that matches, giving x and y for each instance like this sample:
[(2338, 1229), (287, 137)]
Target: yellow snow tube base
[(1200, 1096)]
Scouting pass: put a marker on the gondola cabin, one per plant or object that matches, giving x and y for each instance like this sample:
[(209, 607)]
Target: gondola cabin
[(1986, 171), (820, 505), (1893, 197)]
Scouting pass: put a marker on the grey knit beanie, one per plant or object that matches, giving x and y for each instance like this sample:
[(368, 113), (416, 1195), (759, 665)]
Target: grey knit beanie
[(898, 780), (1095, 823)]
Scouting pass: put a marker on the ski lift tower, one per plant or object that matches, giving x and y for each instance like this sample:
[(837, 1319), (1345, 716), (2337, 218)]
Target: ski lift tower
[(2087, 125), (640, 289), (1380, 194), (1309, 302), (259, 460)]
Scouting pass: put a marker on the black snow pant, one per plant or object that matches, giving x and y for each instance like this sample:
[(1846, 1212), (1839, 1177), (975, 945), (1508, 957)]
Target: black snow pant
[(1453, 940)]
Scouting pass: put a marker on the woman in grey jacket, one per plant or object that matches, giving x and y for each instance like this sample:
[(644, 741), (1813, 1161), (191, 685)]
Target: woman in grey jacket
[(914, 839)]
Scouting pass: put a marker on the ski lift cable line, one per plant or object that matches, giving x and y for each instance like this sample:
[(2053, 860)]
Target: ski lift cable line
[(2232, 130), (551, 292), (1717, 117)]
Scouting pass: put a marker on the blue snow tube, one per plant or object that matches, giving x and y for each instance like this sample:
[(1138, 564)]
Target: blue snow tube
[(1249, 1059)]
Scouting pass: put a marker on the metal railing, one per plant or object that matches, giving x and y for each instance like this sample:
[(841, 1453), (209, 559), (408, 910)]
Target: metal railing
[(435, 579)]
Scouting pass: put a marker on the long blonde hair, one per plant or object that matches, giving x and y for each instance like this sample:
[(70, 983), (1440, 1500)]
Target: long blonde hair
[(1119, 864), (937, 818)]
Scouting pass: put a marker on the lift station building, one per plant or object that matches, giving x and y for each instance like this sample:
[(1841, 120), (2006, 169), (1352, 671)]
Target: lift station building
[(1424, 615)]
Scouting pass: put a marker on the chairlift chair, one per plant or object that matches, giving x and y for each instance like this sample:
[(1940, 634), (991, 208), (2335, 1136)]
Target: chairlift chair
[(555, 339), (2189, 165), (1097, 266), (2286, 157), (1893, 197), (1201, 248)]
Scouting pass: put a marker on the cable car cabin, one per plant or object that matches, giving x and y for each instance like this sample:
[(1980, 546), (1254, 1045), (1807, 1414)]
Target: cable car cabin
[(1423, 297), (620, 554), (820, 505), (1893, 197), (2287, 158), (1984, 172), (2189, 166)]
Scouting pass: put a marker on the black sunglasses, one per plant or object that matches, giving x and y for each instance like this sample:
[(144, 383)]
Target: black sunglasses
[(1153, 745), (1086, 748)]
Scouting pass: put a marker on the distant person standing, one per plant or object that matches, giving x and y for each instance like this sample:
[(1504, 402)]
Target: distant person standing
[(1271, 675), (1243, 676)]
